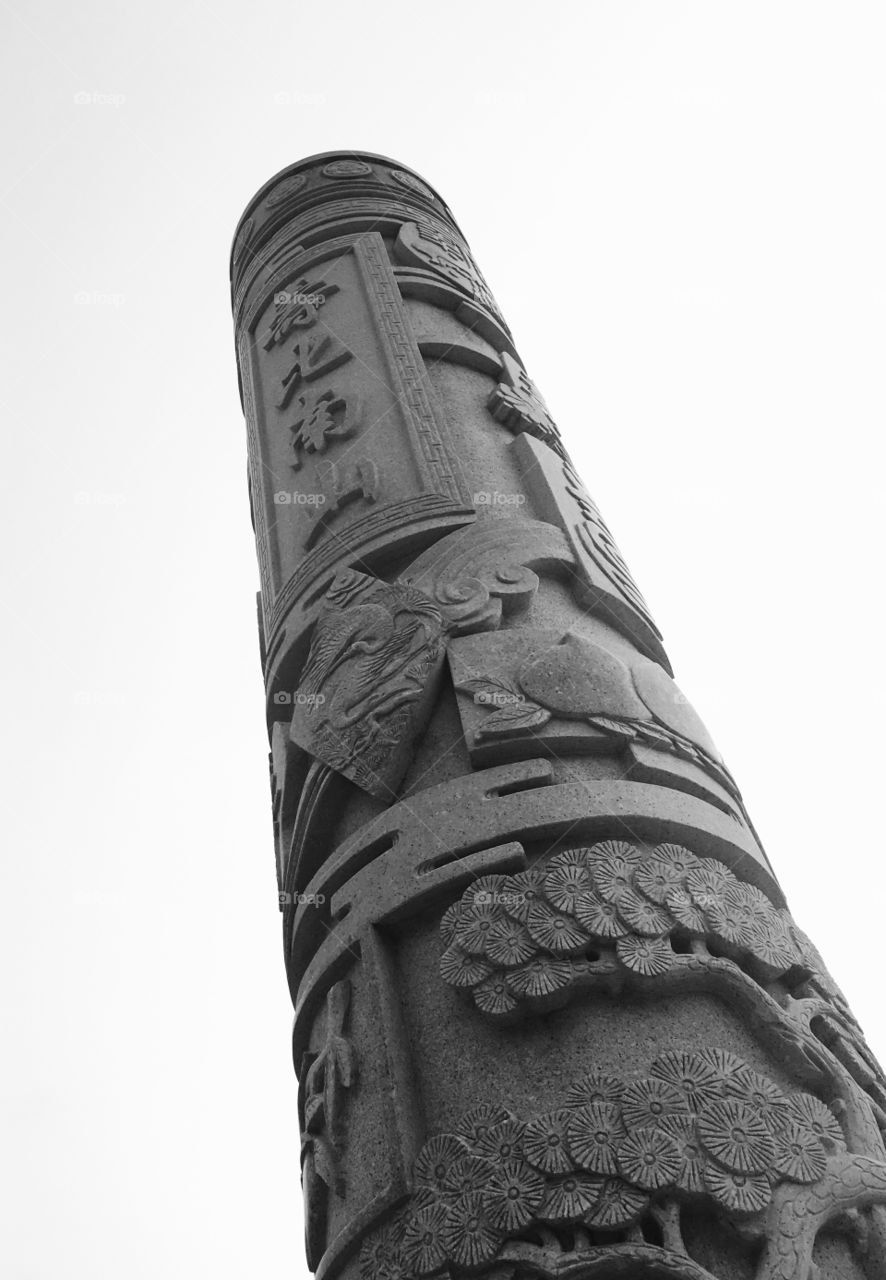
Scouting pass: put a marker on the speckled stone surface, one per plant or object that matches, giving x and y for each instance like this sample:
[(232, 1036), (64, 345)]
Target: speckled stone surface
[(553, 1018)]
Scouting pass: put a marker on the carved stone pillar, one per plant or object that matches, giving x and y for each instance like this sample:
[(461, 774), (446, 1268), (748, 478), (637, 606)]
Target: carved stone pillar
[(553, 1018)]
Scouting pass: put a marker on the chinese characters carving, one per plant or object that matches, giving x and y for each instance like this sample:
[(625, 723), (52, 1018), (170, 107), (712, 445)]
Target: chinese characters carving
[(323, 417)]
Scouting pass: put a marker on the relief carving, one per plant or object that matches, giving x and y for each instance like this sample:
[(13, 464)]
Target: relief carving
[(488, 571), (405, 179), (325, 1078), (347, 169), (369, 678), (296, 370), (617, 917), (424, 243), (528, 942), (572, 881), (606, 586), (617, 1163), (311, 357), (286, 190), (518, 404), (297, 308), (570, 695), (323, 416), (338, 484)]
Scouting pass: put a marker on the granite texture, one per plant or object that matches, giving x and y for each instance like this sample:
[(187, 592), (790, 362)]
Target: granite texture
[(553, 1017)]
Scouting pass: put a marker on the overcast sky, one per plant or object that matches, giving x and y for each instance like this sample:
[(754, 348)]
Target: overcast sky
[(680, 208)]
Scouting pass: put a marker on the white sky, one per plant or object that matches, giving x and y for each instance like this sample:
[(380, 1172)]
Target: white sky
[(681, 210)]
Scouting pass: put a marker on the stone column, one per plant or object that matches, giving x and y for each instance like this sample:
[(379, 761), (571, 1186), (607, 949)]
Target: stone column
[(552, 1015)]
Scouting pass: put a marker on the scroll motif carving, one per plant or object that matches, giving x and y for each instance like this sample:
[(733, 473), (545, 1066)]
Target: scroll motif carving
[(483, 572)]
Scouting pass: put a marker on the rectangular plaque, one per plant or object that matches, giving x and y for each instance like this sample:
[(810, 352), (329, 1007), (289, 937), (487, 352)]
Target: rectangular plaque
[(348, 455)]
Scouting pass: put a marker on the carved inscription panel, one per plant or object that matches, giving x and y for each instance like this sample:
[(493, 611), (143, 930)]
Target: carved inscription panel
[(347, 445)]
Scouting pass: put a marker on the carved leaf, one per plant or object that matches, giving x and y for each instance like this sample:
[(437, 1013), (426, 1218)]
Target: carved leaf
[(555, 1170), (618, 727), (344, 1060), (654, 736), (491, 686), (324, 1161), (520, 717)]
